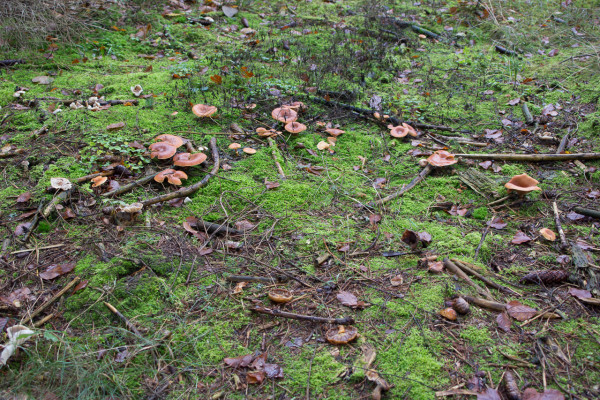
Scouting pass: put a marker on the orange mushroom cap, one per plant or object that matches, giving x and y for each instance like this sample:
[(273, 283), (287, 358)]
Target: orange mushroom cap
[(249, 150), (334, 132), (171, 139), (189, 159), (162, 150), (441, 158), (203, 110), (173, 177), (279, 295), (411, 131), (235, 146), (341, 335), (297, 106), (522, 184), (295, 127), (548, 234), (284, 114), (99, 180), (398, 131)]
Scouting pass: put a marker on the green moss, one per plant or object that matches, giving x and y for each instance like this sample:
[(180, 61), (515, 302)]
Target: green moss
[(480, 213), (476, 336)]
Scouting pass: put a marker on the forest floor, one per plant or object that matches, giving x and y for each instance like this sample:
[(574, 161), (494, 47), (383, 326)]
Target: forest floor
[(316, 225)]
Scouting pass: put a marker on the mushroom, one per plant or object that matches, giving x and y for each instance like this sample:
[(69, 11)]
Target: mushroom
[(249, 150), (235, 146), (295, 127), (188, 159), (401, 131), (99, 180), (280, 295), (521, 184), (334, 132), (441, 158), (449, 313), (297, 106), (137, 90), (172, 176), (162, 150), (341, 335), (171, 139), (263, 132), (322, 145), (203, 110), (548, 234), (284, 115)]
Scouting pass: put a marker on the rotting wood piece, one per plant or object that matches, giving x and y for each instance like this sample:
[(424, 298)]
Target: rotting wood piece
[(461, 274), (479, 182), (587, 211), (482, 278), (302, 317), (416, 180), (483, 303), (214, 228)]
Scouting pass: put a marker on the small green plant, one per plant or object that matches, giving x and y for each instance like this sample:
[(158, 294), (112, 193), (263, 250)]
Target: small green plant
[(101, 144)]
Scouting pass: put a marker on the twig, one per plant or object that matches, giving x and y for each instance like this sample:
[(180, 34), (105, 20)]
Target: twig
[(561, 233), (273, 147), (215, 228), (9, 63), (532, 157), (302, 317), (49, 302), (309, 373), (483, 303), (563, 144), (130, 186), (262, 279), (460, 273), (128, 324), (92, 176), (416, 180), (33, 224), (62, 196), (482, 278), (487, 228), (42, 321), (527, 113), (506, 51), (38, 248)]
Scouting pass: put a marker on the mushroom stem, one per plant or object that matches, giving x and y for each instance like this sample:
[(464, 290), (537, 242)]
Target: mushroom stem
[(424, 172), (302, 317)]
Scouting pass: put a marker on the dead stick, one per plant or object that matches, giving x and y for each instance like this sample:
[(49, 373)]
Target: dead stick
[(487, 228), (424, 172), (52, 300), (209, 227), (532, 157), (460, 273), (273, 146), (131, 186), (128, 324), (561, 233), (487, 304), (42, 321), (482, 278), (12, 153), (301, 317), (62, 196), (527, 113), (187, 191), (262, 279), (563, 144), (587, 211)]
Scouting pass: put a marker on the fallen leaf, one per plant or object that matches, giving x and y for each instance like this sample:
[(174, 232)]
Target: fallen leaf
[(80, 286), (489, 394), (520, 238), (435, 266), (397, 280), (514, 102), (548, 394), (485, 164), (425, 238), (121, 356), (255, 377), (273, 371), (347, 299), (374, 219), (56, 270), (519, 311), (497, 223), (239, 287), (580, 293), (503, 321), (271, 185), (42, 80), (573, 216), (24, 197), (115, 127), (229, 11), (22, 228), (410, 238), (239, 362), (244, 225)]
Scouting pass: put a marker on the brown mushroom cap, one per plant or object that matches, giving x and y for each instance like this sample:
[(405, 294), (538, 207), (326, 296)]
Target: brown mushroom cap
[(172, 176), (297, 106), (522, 184), (171, 139), (263, 132), (441, 158), (284, 115), (295, 127), (278, 295), (162, 150), (411, 131), (341, 335), (249, 150), (334, 132), (548, 234), (99, 180), (203, 110), (235, 146), (188, 159), (398, 131)]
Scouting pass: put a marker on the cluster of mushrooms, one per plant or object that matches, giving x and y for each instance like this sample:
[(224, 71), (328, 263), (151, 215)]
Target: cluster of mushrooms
[(165, 148)]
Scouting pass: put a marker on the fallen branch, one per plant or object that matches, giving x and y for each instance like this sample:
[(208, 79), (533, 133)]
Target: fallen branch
[(134, 102), (527, 114), (189, 190), (482, 278), (89, 177), (301, 317), (483, 303), (485, 232), (262, 279), (49, 302), (532, 157), (563, 144), (587, 211), (128, 324), (461, 274), (12, 153), (561, 233), (10, 63), (505, 51), (62, 196), (424, 172), (130, 186), (217, 229), (33, 224), (42, 321), (273, 147)]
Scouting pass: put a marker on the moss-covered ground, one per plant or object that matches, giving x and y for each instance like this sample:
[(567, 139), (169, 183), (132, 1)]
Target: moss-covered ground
[(172, 286)]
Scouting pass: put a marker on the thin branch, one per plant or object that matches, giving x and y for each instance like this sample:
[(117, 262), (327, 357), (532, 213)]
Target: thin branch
[(302, 317), (532, 157)]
